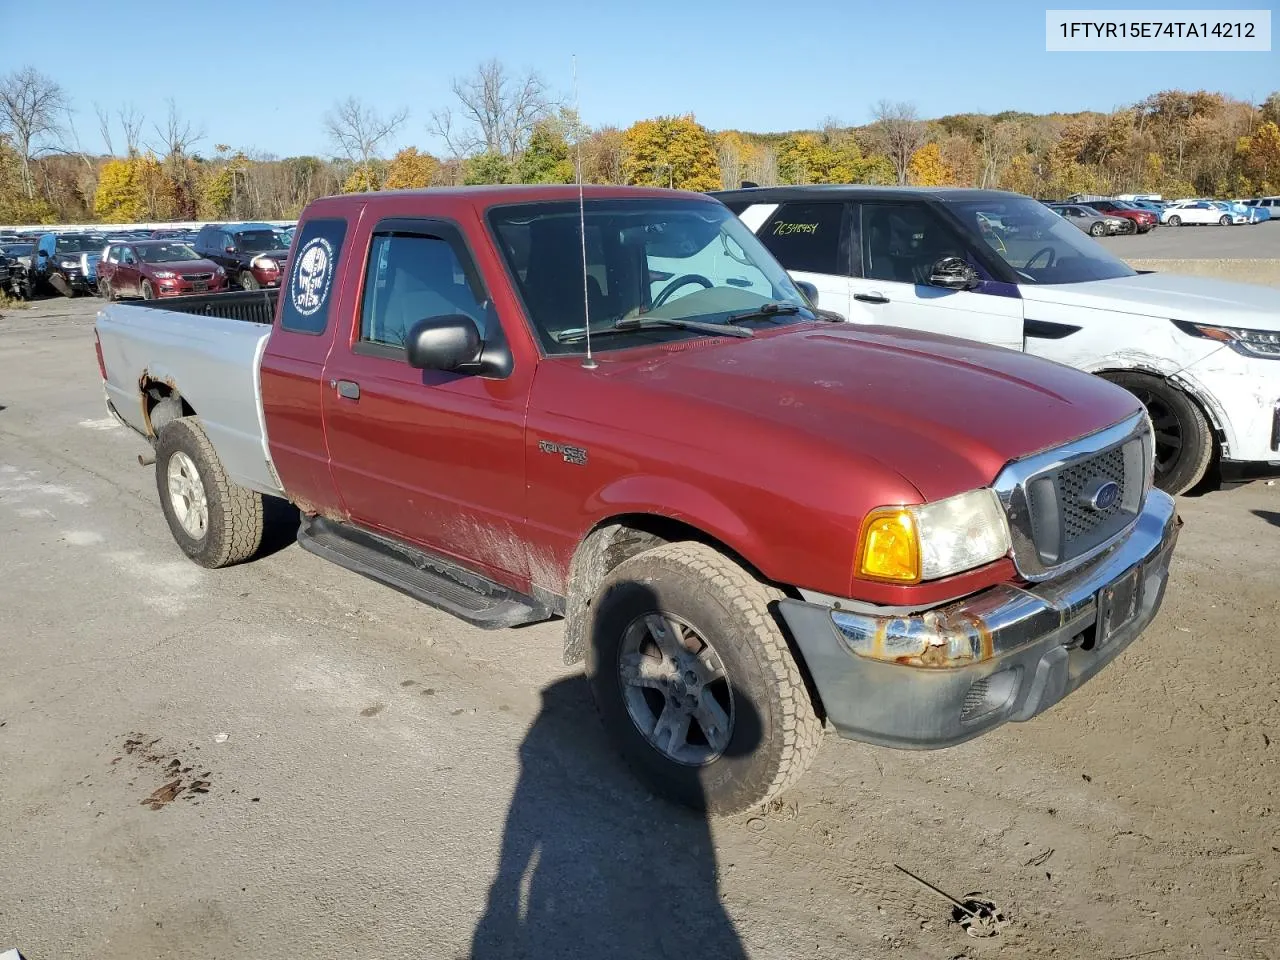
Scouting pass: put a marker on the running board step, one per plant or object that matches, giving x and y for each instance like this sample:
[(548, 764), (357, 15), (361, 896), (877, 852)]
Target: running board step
[(423, 576)]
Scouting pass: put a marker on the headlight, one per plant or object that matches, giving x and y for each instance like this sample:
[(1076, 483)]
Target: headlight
[(69, 264), (220, 272), (164, 274), (265, 263), (933, 540), (1250, 343)]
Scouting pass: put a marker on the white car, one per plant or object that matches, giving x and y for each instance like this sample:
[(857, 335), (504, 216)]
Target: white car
[(1200, 212), (1202, 354)]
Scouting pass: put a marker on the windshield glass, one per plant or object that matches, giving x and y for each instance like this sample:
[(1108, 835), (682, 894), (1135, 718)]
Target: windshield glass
[(80, 244), (650, 259), (165, 252), (1038, 244), (18, 249), (258, 241)]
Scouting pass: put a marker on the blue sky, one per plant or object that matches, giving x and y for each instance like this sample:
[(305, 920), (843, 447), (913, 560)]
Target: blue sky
[(747, 64)]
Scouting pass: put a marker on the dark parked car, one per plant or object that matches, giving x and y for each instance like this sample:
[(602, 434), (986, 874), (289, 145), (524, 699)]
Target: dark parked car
[(251, 254), (18, 253), (157, 268), (57, 262)]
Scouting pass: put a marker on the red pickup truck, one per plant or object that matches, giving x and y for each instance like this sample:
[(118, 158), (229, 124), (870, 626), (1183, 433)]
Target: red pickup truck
[(515, 405)]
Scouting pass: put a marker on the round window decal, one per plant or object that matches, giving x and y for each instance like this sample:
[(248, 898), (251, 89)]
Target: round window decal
[(312, 276)]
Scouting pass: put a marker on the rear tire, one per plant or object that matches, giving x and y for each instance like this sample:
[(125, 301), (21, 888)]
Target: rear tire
[(214, 521), (694, 599), (1184, 436), (1175, 221), (248, 281)]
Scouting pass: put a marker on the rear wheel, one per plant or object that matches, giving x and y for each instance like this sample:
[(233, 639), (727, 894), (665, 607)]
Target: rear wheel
[(1184, 437), (1097, 229), (248, 281), (1175, 221), (214, 521), (694, 680)]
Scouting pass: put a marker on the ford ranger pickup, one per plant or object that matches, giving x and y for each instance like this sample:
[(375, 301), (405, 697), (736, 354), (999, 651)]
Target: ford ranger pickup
[(615, 408)]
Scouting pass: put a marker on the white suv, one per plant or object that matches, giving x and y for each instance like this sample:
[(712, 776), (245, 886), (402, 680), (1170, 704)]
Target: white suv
[(1003, 269)]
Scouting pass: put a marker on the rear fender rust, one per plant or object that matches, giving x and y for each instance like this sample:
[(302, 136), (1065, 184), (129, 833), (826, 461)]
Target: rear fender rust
[(145, 383)]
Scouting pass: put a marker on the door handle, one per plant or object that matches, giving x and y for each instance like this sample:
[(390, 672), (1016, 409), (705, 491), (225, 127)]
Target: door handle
[(871, 297), (347, 389)]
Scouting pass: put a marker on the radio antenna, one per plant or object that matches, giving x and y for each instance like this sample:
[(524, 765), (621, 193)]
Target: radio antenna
[(588, 362)]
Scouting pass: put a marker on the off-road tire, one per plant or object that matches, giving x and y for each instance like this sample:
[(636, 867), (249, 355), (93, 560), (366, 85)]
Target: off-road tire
[(234, 531), (776, 732), (1163, 400), (248, 281)]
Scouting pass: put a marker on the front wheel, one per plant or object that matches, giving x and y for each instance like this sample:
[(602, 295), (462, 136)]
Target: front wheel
[(148, 291), (1129, 228), (1097, 229), (1224, 221), (694, 680), (248, 281), (214, 521), (1184, 438), (104, 290)]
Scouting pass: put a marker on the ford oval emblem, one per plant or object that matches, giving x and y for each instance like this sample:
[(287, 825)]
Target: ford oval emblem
[(1105, 496)]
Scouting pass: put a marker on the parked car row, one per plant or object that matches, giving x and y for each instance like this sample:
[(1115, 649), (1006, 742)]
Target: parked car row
[(249, 256)]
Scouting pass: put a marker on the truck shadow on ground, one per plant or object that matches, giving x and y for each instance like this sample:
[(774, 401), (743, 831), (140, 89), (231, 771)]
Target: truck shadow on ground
[(1270, 516), (592, 865)]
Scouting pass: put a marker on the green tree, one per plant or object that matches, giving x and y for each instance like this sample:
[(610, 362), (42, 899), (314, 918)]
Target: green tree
[(487, 168), (546, 158), (671, 152), (410, 169)]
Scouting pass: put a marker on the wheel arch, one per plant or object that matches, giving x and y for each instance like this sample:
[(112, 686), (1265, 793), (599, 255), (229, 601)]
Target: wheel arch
[(161, 402), (1202, 398)]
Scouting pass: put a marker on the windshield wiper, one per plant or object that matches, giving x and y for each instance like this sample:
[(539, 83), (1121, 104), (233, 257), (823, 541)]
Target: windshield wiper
[(774, 308), (632, 324)]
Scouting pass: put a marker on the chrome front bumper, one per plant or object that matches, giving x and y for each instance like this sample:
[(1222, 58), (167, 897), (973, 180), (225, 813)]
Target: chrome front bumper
[(943, 676)]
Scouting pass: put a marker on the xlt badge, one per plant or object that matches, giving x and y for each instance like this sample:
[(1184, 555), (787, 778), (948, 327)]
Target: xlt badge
[(570, 454)]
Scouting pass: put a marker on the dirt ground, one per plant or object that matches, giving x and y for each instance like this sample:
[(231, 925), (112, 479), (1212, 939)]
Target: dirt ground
[(284, 760)]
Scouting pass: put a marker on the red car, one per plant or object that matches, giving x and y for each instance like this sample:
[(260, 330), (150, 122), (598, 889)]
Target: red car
[(156, 268), (1141, 220)]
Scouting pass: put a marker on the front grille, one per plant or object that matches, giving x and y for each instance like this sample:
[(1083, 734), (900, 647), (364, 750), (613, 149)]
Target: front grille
[(197, 276), (1073, 509)]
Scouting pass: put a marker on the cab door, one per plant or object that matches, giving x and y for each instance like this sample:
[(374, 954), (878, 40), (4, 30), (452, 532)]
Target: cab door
[(433, 457), (899, 242), (813, 240)]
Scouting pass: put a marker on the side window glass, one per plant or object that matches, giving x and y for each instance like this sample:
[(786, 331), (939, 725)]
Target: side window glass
[(309, 290), (412, 278), (902, 242), (808, 237)]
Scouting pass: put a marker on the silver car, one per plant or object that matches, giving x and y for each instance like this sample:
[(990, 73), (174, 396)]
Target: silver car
[(1089, 220)]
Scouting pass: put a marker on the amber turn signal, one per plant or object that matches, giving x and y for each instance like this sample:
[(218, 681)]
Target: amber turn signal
[(890, 547)]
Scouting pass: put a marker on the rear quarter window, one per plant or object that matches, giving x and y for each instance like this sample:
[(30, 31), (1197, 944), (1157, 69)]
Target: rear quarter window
[(305, 298), (809, 237)]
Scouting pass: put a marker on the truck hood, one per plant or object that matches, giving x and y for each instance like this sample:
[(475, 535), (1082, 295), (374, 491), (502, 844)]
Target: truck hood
[(944, 414), (1168, 295)]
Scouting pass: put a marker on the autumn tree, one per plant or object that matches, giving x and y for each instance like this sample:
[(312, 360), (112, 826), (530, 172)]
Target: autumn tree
[(1260, 157), (899, 133), (359, 131), (410, 168), (673, 152), (120, 197), (928, 169), (31, 107), (603, 153)]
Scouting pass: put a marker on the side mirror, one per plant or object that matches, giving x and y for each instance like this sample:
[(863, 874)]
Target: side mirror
[(808, 289), (229, 249), (954, 273), (443, 343)]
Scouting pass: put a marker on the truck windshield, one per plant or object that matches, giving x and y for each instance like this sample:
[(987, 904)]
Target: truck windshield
[(1036, 243), (646, 259), (258, 241)]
